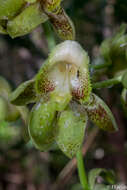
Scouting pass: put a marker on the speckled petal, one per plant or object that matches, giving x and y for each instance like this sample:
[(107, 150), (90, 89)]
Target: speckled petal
[(62, 24), (99, 113), (41, 125), (50, 5), (26, 21), (70, 132), (24, 94), (10, 8)]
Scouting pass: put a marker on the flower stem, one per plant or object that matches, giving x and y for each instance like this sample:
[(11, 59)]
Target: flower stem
[(107, 83), (81, 171)]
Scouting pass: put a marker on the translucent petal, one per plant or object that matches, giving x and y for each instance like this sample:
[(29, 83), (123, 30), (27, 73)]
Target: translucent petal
[(24, 94), (99, 113), (70, 132), (42, 125), (76, 60), (26, 21)]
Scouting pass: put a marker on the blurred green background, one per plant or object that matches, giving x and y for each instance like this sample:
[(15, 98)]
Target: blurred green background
[(22, 167)]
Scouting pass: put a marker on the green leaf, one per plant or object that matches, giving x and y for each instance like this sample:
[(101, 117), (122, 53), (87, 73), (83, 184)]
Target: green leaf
[(106, 174), (5, 88), (62, 24), (8, 134), (26, 21), (124, 100), (99, 113), (10, 8), (3, 108), (124, 79), (77, 187), (42, 125), (24, 94), (70, 132), (102, 187)]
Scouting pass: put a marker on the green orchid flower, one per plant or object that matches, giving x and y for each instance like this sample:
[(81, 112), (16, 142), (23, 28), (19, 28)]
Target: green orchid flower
[(64, 100), (18, 18)]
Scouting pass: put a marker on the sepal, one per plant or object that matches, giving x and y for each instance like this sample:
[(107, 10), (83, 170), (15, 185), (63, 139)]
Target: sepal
[(99, 113), (24, 94)]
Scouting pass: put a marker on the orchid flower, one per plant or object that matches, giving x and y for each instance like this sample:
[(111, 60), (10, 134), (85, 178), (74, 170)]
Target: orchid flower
[(64, 100), (18, 18)]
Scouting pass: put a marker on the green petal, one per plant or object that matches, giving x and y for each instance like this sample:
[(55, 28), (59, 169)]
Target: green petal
[(99, 113), (62, 24), (24, 94), (10, 8), (41, 125), (24, 113), (70, 132), (26, 21)]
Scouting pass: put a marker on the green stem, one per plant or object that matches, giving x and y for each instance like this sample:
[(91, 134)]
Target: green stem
[(81, 171), (49, 35), (107, 83)]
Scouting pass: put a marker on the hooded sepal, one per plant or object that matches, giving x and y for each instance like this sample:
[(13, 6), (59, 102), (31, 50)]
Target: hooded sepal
[(24, 94), (99, 113), (42, 125), (70, 132)]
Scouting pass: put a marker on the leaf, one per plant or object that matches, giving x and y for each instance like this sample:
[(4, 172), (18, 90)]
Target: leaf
[(4, 87), (62, 24), (24, 94), (42, 125), (70, 132), (8, 134), (10, 8), (77, 187), (124, 79), (94, 173), (99, 113), (26, 21), (102, 187), (3, 108)]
